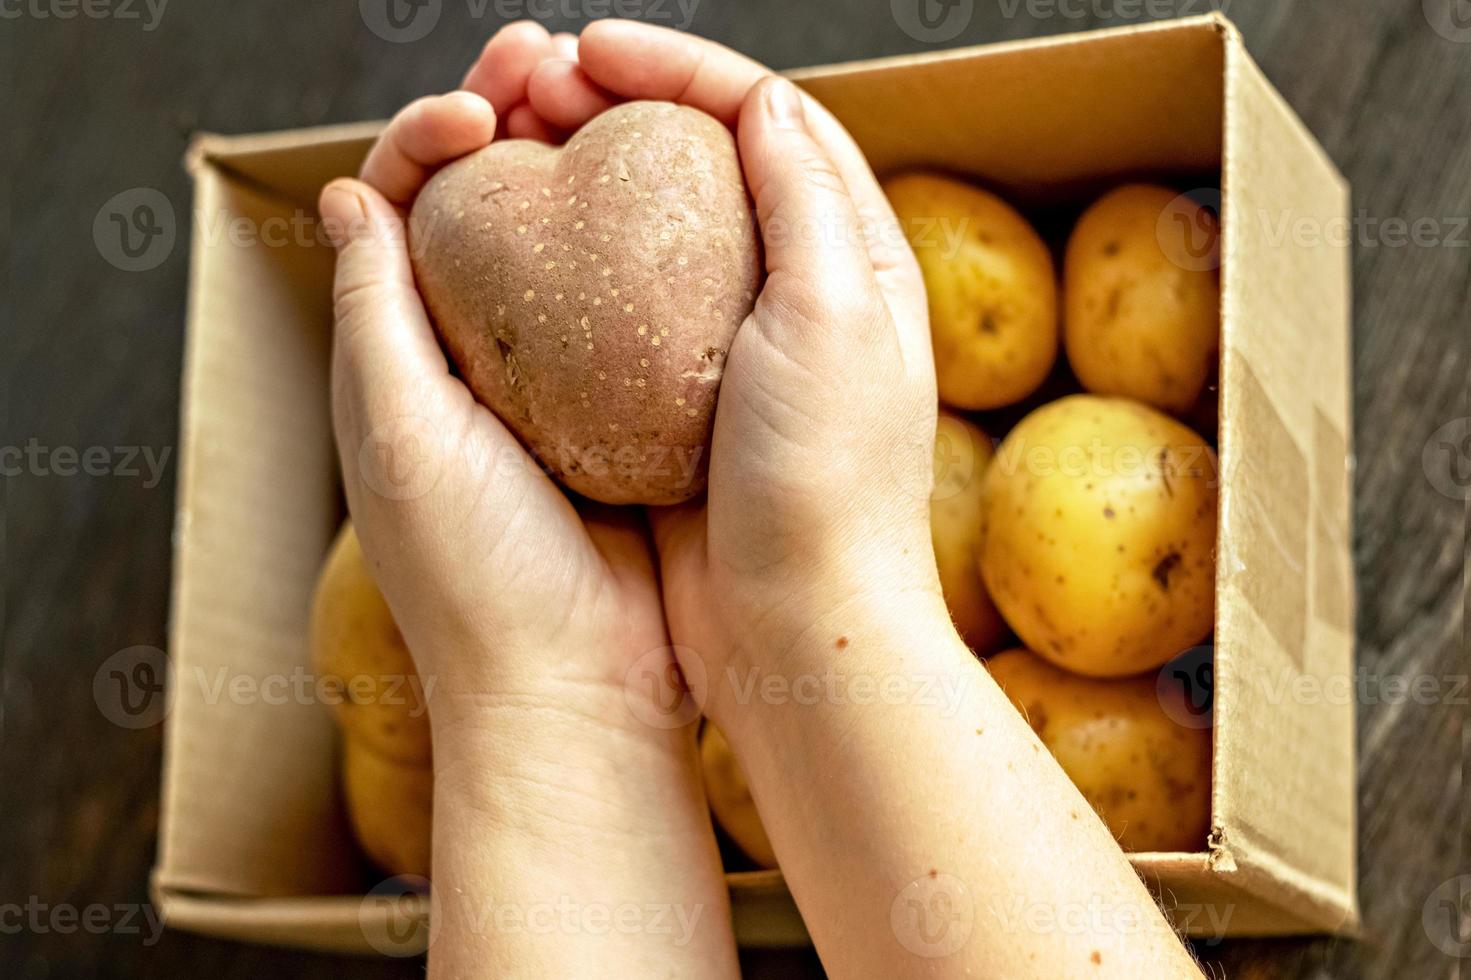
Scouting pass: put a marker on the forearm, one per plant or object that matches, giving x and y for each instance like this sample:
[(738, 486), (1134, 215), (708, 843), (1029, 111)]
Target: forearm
[(569, 845), (922, 826)]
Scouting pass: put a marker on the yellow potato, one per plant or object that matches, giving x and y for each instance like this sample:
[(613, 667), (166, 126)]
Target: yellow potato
[(992, 289), (730, 797), (360, 656), (1141, 297), (962, 453), (389, 805), (1099, 533), (1146, 775)]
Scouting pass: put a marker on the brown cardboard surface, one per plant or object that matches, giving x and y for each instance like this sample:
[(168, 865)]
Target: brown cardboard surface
[(248, 794), (274, 163), (1283, 798), (252, 843), (1055, 119)]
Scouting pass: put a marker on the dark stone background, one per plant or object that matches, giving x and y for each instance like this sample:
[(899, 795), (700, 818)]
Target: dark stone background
[(98, 105)]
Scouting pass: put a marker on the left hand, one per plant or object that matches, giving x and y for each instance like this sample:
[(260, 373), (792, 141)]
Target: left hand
[(500, 584), (552, 787)]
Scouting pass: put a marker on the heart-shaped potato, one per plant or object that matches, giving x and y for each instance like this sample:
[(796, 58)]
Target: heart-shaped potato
[(588, 293)]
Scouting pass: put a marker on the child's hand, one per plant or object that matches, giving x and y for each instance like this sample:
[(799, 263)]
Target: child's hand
[(818, 504), (471, 542), (812, 561), (553, 797)]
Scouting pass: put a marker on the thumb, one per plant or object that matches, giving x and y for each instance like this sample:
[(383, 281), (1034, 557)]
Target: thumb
[(384, 353), (819, 273)]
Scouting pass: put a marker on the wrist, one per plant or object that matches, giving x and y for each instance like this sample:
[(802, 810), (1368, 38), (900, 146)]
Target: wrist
[(870, 650), (579, 755)]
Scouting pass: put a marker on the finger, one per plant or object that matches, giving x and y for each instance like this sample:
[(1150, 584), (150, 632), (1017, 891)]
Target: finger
[(818, 273), (523, 123), (563, 95), (564, 46), (640, 61), (499, 75), (384, 349), (895, 268), (426, 134)]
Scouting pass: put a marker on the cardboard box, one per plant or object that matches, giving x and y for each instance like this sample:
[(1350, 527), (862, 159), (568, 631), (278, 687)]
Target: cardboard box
[(252, 844)]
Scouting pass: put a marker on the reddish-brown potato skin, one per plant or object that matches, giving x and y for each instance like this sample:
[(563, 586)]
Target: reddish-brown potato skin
[(588, 294)]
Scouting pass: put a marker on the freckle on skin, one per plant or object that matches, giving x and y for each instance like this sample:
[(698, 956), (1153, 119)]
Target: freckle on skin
[(1097, 957), (842, 643)]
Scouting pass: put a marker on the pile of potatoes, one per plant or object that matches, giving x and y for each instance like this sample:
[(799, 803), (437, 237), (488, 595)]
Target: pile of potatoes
[(1077, 557), (1089, 532)]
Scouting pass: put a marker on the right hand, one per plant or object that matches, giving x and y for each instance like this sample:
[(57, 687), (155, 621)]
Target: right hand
[(818, 507)]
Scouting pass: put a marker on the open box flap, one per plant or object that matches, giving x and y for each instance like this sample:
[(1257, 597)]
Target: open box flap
[(274, 164), (249, 796), (1284, 790), (1052, 121)]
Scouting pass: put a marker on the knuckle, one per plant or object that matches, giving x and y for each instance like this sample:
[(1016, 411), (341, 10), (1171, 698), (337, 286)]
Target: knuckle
[(821, 176), (355, 301), (820, 306)]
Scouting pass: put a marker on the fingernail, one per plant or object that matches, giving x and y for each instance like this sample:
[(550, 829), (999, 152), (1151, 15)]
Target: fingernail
[(784, 104), (340, 209)]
